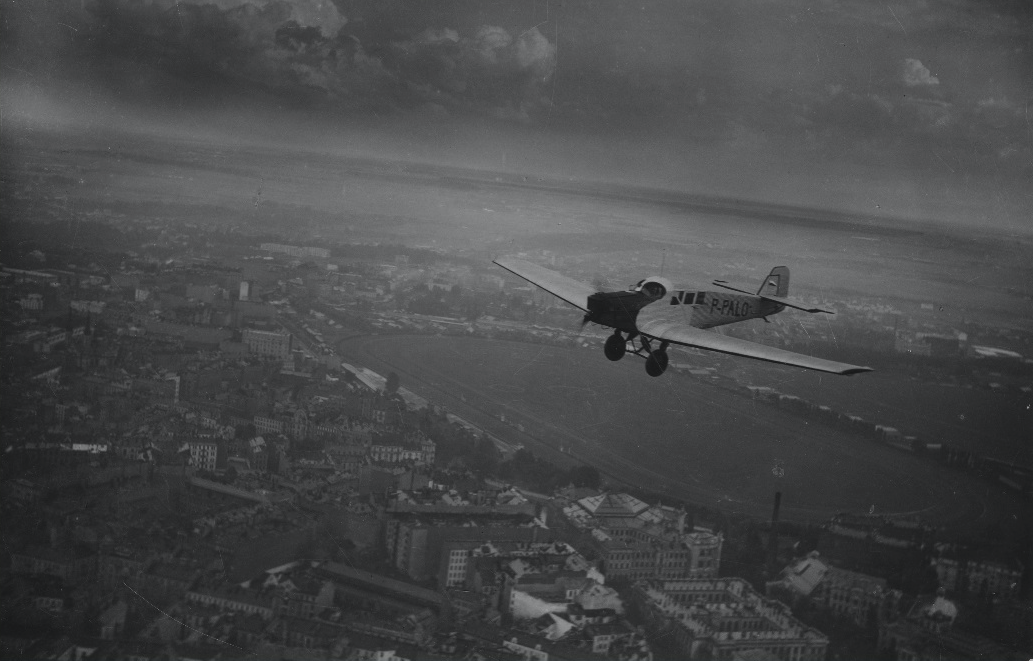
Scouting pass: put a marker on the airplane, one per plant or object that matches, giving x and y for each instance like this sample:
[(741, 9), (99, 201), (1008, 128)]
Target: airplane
[(653, 311)]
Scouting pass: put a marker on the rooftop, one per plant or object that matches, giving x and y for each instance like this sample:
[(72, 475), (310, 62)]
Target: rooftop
[(613, 504)]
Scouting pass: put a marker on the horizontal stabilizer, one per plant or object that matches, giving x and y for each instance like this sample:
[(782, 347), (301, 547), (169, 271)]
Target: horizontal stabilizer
[(789, 304), (570, 290)]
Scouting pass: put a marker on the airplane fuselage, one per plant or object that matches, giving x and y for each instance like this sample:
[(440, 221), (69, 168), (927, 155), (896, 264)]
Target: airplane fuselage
[(701, 309), (652, 315)]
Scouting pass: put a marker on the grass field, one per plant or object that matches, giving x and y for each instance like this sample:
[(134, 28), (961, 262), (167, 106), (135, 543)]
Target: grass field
[(995, 424), (682, 435)]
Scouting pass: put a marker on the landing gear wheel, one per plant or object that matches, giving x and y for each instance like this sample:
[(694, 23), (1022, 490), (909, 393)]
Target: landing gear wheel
[(615, 347), (656, 363)]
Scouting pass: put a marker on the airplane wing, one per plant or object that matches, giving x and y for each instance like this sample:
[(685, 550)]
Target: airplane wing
[(679, 332), (570, 290)]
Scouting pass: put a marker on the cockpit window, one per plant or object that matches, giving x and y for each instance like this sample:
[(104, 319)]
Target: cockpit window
[(689, 296), (654, 289)]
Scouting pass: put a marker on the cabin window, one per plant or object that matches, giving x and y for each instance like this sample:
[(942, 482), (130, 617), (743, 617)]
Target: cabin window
[(689, 298)]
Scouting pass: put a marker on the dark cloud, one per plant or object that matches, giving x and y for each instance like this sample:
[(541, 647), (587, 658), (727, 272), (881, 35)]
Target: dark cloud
[(303, 52), (915, 87)]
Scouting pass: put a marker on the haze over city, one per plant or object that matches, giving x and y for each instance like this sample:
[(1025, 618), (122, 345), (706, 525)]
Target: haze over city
[(266, 395)]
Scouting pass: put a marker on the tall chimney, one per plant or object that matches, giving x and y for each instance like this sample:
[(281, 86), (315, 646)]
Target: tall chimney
[(773, 535)]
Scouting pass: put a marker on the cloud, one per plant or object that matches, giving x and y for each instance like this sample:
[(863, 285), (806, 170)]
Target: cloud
[(535, 54), (917, 75), (433, 36), (308, 54), (320, 14), (488, 71), (491, 38), (849, 78)]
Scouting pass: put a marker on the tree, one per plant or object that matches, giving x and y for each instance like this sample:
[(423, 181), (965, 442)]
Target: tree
[(585, 476), (391, 386)]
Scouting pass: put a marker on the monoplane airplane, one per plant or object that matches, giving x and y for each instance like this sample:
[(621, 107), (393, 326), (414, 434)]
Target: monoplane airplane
[(653, 311)]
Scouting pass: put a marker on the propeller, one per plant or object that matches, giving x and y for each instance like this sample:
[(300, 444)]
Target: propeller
[(601, 283), (584, 322)]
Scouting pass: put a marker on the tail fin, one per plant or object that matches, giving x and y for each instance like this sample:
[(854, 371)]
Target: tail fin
[(776, 284)]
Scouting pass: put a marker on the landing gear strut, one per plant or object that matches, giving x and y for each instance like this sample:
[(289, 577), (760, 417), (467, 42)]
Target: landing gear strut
[(615, 346)]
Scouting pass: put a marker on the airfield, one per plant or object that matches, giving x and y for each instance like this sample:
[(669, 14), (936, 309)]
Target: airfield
[(677, 435)]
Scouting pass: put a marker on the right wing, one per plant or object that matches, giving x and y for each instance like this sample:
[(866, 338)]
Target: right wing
[(570, 290), (678, 332), (774, 299)]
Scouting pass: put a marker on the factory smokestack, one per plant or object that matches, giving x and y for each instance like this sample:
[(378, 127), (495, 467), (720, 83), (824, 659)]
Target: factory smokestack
[(773, 535)]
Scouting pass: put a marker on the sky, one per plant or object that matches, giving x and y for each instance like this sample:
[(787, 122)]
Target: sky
[(916, 108)]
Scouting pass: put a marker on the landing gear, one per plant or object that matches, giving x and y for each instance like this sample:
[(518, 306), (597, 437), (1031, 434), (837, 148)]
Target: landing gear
[(615, 346), (656, 359), (656, 363)]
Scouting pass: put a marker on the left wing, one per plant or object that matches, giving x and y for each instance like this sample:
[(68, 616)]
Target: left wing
[(679, 332), (570, 290)]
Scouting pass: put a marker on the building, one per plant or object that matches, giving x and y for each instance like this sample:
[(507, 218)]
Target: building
[(364, 647), (386, 607), (846, 594), (718, 618), (637, 541), (168, 580), (426, 547), (533, 594), (204, 454), (160, 389), (67, 563), (296, 251), (304, 595), (308, 633), (397, 448), (205, 494), (979, 577), (121, 566), (271, 344), (926, 632), (235, 599)]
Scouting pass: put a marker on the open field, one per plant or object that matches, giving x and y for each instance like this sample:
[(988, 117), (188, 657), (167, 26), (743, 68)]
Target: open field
[(995, 424), (681, 435)]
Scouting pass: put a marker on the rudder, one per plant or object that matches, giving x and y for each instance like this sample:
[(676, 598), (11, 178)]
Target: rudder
[(776, 284)]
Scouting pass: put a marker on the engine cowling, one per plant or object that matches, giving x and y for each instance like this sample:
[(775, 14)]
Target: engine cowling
[(654, 286)]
